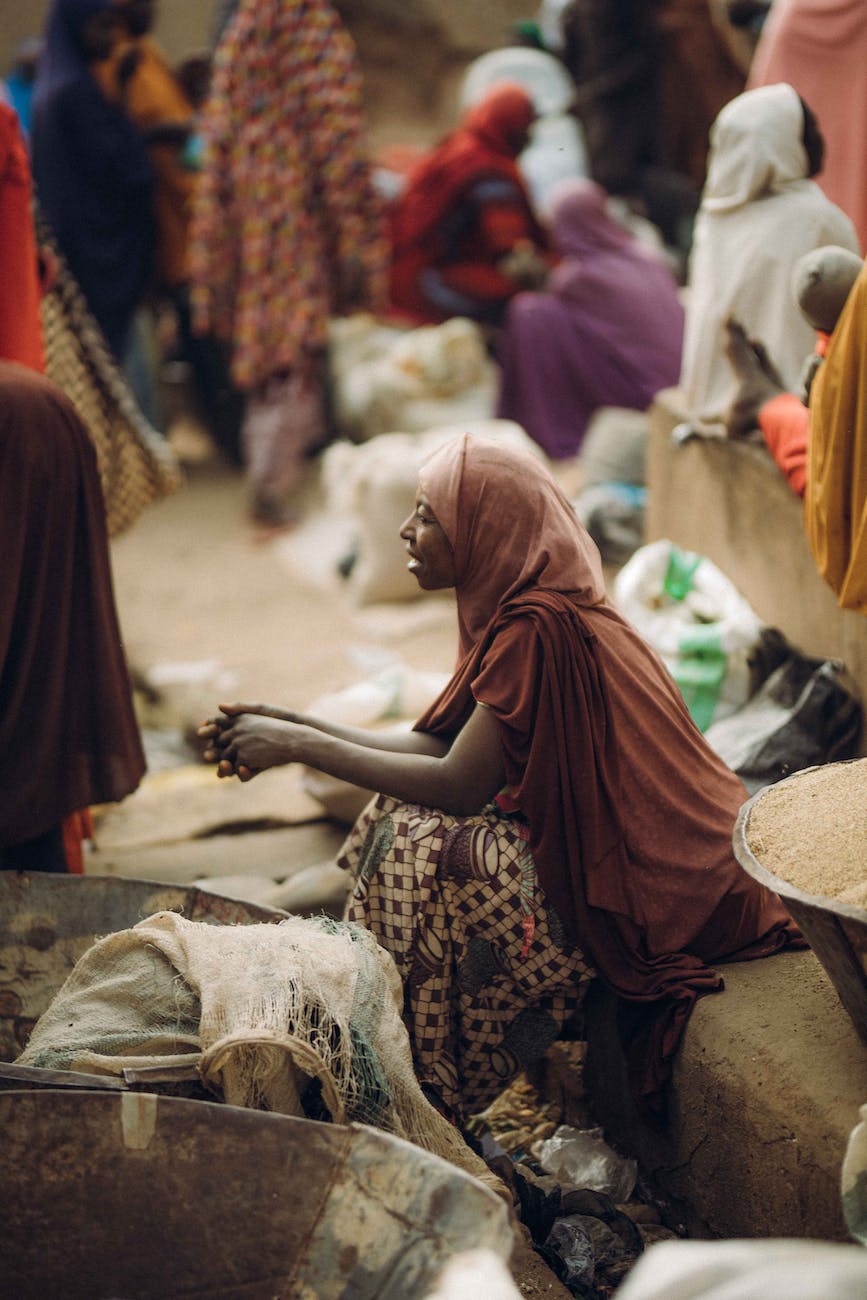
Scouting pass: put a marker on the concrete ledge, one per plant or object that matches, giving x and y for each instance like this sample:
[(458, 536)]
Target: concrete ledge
[(729, 501), (765, 1092)]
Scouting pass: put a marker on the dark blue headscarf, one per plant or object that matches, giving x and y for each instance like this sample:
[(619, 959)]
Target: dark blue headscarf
[(62, 59), (92, 174)]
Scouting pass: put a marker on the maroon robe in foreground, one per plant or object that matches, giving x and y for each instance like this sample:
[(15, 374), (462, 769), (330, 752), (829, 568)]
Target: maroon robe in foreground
[(68, 733)]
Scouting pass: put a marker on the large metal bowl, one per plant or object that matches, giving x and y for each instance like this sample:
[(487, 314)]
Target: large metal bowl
[(837, 932), (144, 1197)]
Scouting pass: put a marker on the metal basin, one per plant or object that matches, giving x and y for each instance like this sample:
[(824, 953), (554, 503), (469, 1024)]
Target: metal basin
[(137, 1196), (837, 932), (48, 921)]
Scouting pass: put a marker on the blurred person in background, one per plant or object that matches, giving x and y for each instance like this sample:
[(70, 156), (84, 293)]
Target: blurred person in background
[(820, 48), (92, 172), (137, 77), (760, 213), (650, 79), (606, 330), (287, 228), (465, 237)]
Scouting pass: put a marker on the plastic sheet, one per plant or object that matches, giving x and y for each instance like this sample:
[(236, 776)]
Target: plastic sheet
[(584, 1158)]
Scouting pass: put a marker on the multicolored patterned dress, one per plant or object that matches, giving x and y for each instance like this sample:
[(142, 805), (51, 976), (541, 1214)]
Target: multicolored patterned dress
[(490, 978), (286, 224)]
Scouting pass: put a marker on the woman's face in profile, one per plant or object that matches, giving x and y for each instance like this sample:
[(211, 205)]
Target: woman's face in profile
[(432, 561)]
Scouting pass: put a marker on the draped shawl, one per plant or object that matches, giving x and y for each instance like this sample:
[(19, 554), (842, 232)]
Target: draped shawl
[(630, 812), (485, 144), (820, 48), (607, 330), (20, 325), (68, 733)]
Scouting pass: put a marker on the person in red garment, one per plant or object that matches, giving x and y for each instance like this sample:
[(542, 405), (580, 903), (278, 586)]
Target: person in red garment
[(20, 325), (68, 733), (464, 235), (554, 814)]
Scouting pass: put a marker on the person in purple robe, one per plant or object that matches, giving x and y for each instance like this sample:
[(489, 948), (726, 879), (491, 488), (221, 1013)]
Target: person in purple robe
[(607, 329)]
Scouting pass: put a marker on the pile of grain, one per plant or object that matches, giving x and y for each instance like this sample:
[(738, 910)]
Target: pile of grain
[(812, 831)]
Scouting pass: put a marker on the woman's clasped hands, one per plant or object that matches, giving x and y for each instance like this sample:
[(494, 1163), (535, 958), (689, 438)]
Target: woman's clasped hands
[(244, 739)]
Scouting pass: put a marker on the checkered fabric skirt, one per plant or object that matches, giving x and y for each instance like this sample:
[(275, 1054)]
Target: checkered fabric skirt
[(489, 976)]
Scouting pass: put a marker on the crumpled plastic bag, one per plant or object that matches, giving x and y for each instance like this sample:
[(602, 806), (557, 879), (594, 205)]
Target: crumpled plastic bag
[(583, 1157), (697, 621)]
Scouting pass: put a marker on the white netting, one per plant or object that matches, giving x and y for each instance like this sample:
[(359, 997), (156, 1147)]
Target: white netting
[(265, 1011)]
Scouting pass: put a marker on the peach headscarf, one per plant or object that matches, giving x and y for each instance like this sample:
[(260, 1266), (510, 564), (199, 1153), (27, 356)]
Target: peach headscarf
[(510, 525)]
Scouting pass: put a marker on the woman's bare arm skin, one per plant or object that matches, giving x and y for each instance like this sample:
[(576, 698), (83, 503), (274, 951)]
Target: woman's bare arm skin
[(396, 742), (460, 781)]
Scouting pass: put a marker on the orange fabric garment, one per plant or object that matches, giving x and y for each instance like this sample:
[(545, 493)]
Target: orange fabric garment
[(20, 325), (836, 494), (785, 423), (630, 811), (154, 97), (820, 48)]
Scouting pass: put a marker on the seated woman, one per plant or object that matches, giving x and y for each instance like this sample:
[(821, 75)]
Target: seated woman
[(759, 214), (68, 732), (607, 329), (554, 814), (463, 231)]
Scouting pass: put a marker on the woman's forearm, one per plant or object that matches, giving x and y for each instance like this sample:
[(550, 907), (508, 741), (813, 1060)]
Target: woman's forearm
[(460, 778), (388, 742), (422, 778)]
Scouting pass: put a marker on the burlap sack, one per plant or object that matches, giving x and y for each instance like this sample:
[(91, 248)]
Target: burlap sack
[(265, 1011)]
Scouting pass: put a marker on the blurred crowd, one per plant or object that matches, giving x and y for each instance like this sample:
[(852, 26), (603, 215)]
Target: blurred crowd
[(624, 183)]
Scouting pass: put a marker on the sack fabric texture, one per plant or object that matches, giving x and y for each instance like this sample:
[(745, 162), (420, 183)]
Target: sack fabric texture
[(266, 1012)]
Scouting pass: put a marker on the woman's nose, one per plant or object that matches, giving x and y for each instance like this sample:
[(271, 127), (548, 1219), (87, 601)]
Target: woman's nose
[(406, 528)]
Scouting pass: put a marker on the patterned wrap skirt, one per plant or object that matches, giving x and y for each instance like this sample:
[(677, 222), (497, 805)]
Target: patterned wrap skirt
[(490, 979)]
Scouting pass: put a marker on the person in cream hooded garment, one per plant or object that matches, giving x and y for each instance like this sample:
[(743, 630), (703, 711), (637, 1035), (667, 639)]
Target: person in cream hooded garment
[(759, 214)]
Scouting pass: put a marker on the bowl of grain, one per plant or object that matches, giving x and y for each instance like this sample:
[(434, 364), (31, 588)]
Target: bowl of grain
[(806, 839)]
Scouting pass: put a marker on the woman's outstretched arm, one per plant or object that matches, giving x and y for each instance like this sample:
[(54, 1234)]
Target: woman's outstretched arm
[(460, 781), (395, 742)]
